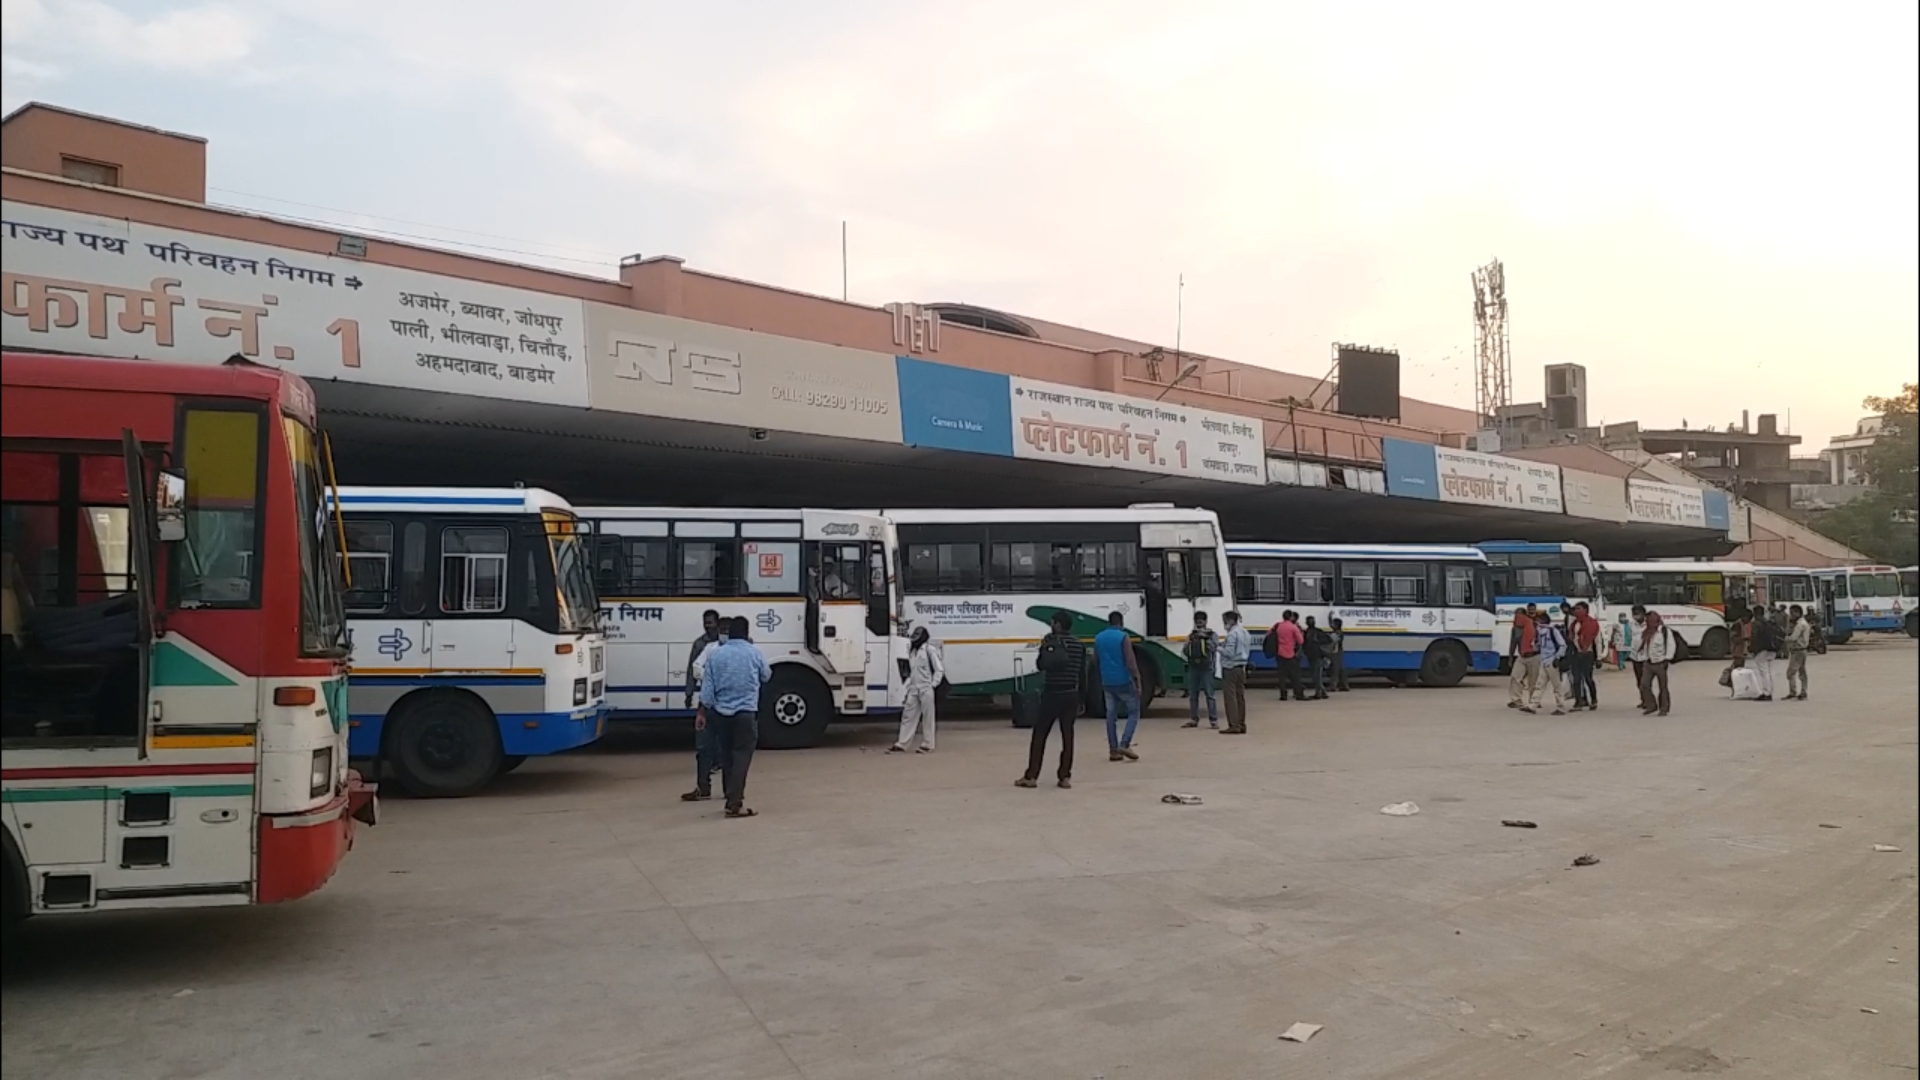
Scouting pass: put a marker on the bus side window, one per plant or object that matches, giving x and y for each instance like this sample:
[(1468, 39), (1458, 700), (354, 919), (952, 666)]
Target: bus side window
[(473, 569), (1312, 583), (1357, 583), (370, 565), (1204, 570), (609, 565), (413, 568), (1177, 564), (1460, 587), (1403, 583)]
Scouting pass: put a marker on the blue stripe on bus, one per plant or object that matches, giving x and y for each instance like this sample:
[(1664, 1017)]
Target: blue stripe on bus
[(551, 732), (452, 678)]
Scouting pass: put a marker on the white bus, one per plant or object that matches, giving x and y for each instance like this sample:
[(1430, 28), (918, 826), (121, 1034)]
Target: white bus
[(475, 630), (986, 583), (1407, 610), (816, 585), (1866, 598), (1548, 573), (1694, 599)]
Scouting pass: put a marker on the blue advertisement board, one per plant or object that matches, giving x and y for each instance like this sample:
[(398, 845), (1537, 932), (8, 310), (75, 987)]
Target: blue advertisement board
[(1714, 502), (955, 408), (1411, 470)]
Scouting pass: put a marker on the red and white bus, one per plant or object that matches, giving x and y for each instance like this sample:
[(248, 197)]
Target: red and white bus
[(175, 721)]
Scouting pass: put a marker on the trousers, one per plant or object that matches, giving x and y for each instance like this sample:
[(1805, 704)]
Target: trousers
[(1796, 670), (1056, 707), (916, 713), (1235, 692), (736, 735)]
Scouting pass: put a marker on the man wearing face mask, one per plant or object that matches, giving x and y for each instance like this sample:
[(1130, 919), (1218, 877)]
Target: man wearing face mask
[(924, 675)]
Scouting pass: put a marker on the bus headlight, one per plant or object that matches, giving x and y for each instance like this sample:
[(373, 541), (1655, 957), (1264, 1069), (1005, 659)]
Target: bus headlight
[(322, 780), (579, 691)]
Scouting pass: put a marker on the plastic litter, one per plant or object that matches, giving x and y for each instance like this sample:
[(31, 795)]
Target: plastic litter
[(1301, 1032), (1586, 860), (1826, 825), (1400, 809), (1885, 847), (1180, 799), (1516, 823)]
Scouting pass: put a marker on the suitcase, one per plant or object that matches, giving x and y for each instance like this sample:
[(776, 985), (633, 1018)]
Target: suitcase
[(1026, 702), (1746, 684)]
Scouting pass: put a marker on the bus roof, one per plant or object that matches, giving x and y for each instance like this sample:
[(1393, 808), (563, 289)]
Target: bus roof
[(452, 500), (1867, 568), (1530, 545), (255, 382), (1782, 570), (1661, 567), (705, 513), (1073, 514), (1361, 551)]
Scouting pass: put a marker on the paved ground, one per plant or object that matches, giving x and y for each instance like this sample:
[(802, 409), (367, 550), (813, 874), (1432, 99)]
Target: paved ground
[(919, 917)]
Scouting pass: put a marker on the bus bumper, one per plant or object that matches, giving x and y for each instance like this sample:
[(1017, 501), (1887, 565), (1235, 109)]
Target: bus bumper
[(299, 852)]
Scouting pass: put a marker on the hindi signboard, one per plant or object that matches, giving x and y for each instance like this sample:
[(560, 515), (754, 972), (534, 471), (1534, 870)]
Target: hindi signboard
[(1465, 476), (1114, 431), (1666, 504)]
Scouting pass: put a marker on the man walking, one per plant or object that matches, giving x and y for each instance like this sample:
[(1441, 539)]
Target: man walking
[(1524, 646), (1236, 647), (706, 758), (1799, 638), (1201, 654), (1337, 655), (1314, 644), (1637, 652), (730, 693), (1063, 662), (1120, 685), (1287, 641), (1555, 656), (924, 673), (1585, 631)]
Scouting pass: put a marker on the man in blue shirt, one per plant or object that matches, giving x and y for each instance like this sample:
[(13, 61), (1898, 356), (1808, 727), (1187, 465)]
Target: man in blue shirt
[(730, 691), (1120, 679)]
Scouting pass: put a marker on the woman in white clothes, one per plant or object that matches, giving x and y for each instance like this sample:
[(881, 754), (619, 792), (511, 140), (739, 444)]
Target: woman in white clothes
[(924, 672)]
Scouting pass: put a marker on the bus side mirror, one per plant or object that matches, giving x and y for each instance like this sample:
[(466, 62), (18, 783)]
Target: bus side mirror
[(170, 505)]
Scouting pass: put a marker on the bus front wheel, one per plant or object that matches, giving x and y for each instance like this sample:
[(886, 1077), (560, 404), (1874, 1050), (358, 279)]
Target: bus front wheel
[(1713, 644), (1445, 664), (1913, 624), (444, 745), (795, 709)]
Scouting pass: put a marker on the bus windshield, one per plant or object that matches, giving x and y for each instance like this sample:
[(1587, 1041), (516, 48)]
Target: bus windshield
[(322, 619), (572, 574), (1876, 584)]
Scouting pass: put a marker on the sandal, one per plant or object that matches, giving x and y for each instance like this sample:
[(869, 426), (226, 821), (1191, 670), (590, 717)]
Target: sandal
[(696, 795), (741, 811)]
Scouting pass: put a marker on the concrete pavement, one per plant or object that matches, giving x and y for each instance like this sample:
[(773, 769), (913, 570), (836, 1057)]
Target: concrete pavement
[(913, 916)]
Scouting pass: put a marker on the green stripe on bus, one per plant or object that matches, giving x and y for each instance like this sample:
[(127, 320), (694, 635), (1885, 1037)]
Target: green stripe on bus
[(99, 794), (175, 666)]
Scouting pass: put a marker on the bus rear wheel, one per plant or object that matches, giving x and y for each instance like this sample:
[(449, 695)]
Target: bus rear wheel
[(444, 746), (1445, 664), (795, 709), (1151, 685), (1913, 624), (1713, 644)]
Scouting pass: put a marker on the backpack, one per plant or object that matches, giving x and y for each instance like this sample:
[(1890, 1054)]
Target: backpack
[(1766, 638), (1270, 645), (1199, 648)]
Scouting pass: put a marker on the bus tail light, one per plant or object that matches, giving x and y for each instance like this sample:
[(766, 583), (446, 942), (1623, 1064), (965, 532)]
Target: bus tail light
[(563, 649), (293, 695), (322, 779)]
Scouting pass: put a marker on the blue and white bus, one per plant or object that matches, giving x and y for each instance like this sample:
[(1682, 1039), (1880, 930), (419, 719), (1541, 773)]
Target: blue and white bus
[(1408, 611), (476, 633), (1524, 572), (1866, 599)]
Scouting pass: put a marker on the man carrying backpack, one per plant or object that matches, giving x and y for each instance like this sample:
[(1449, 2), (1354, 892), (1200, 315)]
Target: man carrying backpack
[(1201, 653), (1555, 658), (1765, 643)]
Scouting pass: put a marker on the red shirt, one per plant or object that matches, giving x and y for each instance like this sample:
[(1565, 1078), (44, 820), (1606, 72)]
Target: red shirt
[(1291, 637), (1586, 631)]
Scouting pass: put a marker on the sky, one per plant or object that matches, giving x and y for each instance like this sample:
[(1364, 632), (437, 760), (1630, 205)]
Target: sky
[(1710, 205)]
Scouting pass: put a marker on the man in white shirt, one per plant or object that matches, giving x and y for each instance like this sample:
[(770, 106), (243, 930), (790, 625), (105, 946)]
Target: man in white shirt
[(1799, 638), (924, 675)]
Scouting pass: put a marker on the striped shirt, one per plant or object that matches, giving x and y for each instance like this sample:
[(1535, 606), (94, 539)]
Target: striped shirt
[(1063, 659)]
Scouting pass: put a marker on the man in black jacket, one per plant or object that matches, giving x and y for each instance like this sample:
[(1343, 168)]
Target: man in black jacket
[(1317, 644), (1063, 660)]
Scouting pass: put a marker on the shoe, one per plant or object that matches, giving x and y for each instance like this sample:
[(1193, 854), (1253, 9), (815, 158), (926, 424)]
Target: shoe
[(1233, 731), (896, 748), (1127, 752), (1026, 781), (1064, 782), (1764, 697), (1513, 704), (1559, 712), (696, 795), (1191, 723), (1662, 712), (1526, 710), (924, 750), (1114, 755)]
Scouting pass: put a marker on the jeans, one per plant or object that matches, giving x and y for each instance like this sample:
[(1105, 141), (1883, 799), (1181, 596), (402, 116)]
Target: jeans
[(1056, 707), (1200, 681), (1318, 667), (736, 735), (1581, 676), (1121, 699), (1235, 692), (1337, 670), (707, 756)]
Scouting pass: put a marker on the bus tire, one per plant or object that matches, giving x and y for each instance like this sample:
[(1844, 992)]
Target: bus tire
[(1913, 624), (443, 745), (1713, 644), (15, 899), (1151, 685), (511, 762), (795, 710), (1445, 664)]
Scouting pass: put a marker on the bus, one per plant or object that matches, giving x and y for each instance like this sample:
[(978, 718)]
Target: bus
[(1910, 599), (1522, 572), (986, 583), (476, 632), (175, 666), (1407, 611), (1694, 599), (1865, 599), (1785, 586), (817, 587)]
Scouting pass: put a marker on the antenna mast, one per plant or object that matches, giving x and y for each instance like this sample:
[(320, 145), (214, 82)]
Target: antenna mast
[(1493, 382)]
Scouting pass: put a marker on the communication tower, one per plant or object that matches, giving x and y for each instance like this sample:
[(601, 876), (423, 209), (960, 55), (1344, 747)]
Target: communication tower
[(1493, 383)]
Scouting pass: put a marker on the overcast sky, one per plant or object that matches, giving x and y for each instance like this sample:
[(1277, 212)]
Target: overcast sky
[(1712, 206)]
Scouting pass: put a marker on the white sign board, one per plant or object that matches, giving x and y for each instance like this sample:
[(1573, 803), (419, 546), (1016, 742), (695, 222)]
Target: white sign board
[(110, 287), (1487, 480), (1115, 431), (1666, 504)]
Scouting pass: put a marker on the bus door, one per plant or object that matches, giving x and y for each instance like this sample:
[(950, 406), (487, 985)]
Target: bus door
[(837, 573), (1156, 593)]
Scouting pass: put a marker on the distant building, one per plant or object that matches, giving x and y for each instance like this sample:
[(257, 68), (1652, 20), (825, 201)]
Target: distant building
[(1846, 455)]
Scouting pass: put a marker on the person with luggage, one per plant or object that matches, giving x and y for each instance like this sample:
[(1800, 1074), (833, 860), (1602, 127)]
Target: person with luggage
[(1119, 685), (1236, 648), (1799, 640), (1555, 656), (1063, 664), (1763, 640), (1202, 653), (1315, 645)]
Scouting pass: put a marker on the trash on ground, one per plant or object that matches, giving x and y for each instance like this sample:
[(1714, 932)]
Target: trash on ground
[(1301, 1032), (1516, 823), (1870, 1012), (1586, 860), (1400, 809), (1180, 799), (1826, 825), (1885, 847), (182, 993)]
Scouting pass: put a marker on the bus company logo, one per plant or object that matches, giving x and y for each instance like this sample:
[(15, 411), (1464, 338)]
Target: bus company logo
[(840, 528), (1429, 618), (394, 644), (768, 621)]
